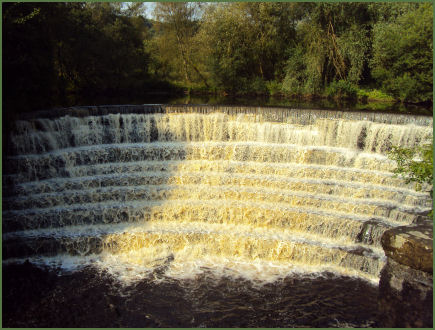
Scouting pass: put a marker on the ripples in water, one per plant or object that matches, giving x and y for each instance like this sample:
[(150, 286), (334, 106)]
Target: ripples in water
[(88, 298)]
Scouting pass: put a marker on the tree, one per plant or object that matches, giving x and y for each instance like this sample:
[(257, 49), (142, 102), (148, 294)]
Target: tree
[(177, 25), (102, 51), (403, 54), (227, 41), (334, 39), (69, 53), (245, 43), (57, 54), (29, 77)]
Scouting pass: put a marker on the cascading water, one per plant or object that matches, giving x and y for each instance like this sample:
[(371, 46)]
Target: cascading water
[(259, 194)]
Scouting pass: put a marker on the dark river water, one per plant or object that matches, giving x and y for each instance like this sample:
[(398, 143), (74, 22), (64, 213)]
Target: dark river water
[(330, 104), (34, 297)]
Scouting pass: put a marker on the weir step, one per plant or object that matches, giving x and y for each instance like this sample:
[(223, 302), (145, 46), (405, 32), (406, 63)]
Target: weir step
[(217, 211), (45, 165), (199, 243), (340, 188), (388, 211), (182, 186)]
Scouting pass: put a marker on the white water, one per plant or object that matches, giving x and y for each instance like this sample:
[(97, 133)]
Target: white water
[(185, 192)]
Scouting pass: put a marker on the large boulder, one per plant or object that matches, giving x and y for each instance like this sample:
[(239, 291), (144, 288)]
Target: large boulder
[(406, 284), (411, 245)]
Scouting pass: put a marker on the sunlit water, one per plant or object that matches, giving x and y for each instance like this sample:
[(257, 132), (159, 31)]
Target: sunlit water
[(212, 199)]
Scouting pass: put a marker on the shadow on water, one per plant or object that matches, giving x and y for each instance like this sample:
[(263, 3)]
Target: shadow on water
[(41, 296)]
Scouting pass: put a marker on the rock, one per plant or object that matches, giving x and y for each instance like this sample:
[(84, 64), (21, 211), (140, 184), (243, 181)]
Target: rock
[(371, 231), (406, 283), (410, 246), (405, 297)]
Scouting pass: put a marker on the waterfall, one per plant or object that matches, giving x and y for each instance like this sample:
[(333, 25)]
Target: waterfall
[(255, 192)]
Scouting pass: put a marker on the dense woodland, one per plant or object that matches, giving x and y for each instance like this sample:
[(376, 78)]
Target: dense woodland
[(58, 54)]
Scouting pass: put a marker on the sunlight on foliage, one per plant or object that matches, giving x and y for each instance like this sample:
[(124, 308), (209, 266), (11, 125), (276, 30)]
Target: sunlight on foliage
[(415, 165)]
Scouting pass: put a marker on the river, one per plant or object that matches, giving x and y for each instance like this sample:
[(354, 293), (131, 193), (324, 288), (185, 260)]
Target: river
[(201, 216)]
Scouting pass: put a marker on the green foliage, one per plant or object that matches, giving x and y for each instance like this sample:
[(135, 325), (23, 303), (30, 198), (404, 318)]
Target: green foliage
[(296, 78), (414, 165), (403, 54), (259, 86), (66, 53), (341, 89), (174, 45), (336, 39), (354, 44), (244, 44), (374, 95), (273, 87), (226, 38)]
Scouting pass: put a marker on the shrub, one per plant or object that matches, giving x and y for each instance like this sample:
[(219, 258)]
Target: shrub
[(258, 86), (403, 54), (374, 95), (342, 90), (273, 87), (415, 165)]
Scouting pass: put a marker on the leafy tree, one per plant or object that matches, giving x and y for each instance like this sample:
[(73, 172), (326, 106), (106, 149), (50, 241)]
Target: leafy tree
[(177, 25), (28, 73), (273, 26), (403, 54), (103, 53), (69, 53), (297, 80), (245, 43), (335, 42), (226, 40)]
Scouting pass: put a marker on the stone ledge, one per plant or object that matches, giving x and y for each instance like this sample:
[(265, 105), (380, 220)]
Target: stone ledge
[(411, 245), (405, 297)]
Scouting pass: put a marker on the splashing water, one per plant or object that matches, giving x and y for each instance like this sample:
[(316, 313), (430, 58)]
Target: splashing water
[(238, 194)]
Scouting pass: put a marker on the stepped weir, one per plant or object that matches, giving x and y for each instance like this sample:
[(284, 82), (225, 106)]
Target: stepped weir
[(258, 193)]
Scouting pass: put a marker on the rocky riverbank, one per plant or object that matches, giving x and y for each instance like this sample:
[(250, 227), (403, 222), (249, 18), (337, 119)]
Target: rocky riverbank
[(406, 285)]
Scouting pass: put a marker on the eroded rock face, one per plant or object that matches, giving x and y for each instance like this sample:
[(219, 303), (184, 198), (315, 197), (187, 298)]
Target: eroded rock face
[(410, 246), (406, 284), (405, 297)]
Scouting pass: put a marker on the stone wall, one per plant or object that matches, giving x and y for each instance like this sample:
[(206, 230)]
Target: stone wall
[(406, 284)]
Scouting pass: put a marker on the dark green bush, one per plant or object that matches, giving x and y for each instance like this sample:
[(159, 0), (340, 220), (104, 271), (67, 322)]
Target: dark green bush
[(341, 90), (403, 55)]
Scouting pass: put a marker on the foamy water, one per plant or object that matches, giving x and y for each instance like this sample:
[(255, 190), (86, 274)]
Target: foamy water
[(184, 193)]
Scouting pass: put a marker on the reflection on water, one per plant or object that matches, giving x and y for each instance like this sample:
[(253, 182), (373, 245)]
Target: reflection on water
[(264, 101), (303, 104)]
